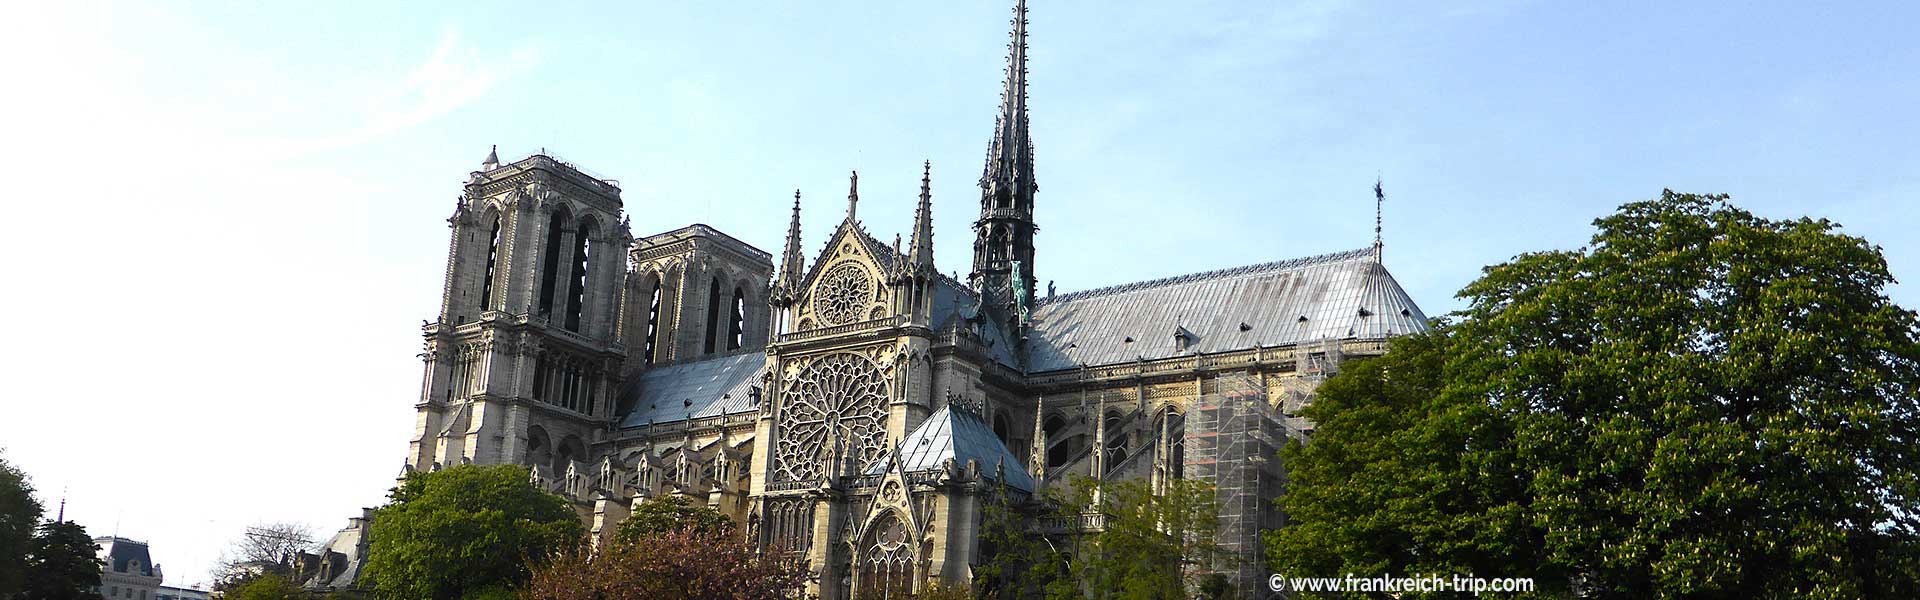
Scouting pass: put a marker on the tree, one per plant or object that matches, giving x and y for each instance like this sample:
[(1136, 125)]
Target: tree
[(460, 531), (264, 587), (19, 512), (65, 564), (1702, 403), (667, 513), (687, 562), (265, 549), (1015, 564), (1151, 547)]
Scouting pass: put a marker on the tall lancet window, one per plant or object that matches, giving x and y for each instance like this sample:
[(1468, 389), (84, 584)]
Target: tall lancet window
[(653, 325), (737, 326), (550, 263), (493, 261), (577, 283), (713, 315)]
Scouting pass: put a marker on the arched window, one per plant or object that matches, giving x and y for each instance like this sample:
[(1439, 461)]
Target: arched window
[(493, 261), (737, 326), (886, 570), (1002, 427), (550, 262), (713, 315), (577, 283), (653, 325)]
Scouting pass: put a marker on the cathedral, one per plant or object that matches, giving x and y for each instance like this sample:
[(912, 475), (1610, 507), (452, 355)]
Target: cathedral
[(855, 405)]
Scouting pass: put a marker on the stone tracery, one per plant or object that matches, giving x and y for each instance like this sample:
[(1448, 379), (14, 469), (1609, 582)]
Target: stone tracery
[(842, 294), (832, 401)]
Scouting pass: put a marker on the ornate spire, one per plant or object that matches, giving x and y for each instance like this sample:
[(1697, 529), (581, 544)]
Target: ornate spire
[(493, 159), (791, 261), (921, 255), (853, 194), (1003, 248)]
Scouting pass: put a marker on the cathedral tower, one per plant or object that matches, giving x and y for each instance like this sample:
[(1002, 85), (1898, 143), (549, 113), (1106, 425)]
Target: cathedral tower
[(1003, 235), (523, 359)]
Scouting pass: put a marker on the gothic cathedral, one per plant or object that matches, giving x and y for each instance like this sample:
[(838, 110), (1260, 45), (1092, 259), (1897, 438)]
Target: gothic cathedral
[(857, 408)]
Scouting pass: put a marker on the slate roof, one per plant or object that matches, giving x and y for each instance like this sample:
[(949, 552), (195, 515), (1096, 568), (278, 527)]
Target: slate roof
[(961, 436), (118, 551), (703, 388), (1345, 295)]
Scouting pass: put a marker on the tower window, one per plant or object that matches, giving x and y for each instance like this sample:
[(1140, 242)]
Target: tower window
[(550, 264), (653, 325), (713, 315), (737, 326), (577, 284), (493, 261)]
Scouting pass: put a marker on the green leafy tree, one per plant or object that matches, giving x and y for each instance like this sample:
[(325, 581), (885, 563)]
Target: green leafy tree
[(1150, 547), (19, 512), (65, 564), (1016, 564), (456, 532), (668, 513), (264, 587), (1702, 404)]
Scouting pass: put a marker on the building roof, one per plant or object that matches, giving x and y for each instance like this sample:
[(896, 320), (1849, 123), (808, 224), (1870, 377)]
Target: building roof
[(119, 551), (1345, 295), (698, 389), (960, 436)]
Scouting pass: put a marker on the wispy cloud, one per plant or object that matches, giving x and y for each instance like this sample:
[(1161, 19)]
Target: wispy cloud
[(455, 75)]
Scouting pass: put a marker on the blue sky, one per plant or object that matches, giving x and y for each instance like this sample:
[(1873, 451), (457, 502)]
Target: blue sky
[(230, 217)]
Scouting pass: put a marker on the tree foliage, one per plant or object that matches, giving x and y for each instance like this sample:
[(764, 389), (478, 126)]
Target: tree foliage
[(264, 587), (451, 533), (19, 513), (1152, 546), (662, 514), (65, 564), (1016, 564), (1702, 403), (687, 562)]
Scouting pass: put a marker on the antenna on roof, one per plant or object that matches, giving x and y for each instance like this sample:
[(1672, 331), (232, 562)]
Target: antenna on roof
[(1379, 201)]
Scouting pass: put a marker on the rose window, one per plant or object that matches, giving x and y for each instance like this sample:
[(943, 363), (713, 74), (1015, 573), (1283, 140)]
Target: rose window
[(843, 294), (834, 404)]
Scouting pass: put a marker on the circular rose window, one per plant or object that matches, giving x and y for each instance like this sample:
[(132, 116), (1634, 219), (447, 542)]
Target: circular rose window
[(842, 295)]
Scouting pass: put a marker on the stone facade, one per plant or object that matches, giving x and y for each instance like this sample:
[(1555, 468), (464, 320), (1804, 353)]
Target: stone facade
[(857, 407)]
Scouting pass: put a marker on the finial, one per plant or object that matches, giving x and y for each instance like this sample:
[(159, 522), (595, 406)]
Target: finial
[(1379, 202), (493, 159), (853, 194)]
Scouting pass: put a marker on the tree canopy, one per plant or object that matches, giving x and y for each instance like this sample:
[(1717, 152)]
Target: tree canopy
[(65, 564), (19, 513), (464, 530), (1701, 403), (663, 514), (1152, 546)]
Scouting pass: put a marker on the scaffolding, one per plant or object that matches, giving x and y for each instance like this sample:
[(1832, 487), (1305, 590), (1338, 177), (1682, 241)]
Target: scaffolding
[(1233, 438)]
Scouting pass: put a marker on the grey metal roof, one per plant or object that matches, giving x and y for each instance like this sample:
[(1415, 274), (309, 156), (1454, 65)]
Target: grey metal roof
[(1345, 295), (960, 436), (700, 389)]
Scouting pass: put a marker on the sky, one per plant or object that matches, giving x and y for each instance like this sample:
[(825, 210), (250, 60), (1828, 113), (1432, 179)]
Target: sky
[(228, 219)]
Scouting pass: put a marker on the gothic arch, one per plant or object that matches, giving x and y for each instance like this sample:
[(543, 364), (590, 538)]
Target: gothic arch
[(885, 558), (539, 447)]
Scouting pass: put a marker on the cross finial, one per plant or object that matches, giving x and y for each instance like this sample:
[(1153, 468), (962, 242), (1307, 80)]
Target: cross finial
[(1379, 201)]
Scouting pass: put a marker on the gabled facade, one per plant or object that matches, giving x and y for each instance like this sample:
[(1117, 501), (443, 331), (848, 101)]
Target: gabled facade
[(855, 406)]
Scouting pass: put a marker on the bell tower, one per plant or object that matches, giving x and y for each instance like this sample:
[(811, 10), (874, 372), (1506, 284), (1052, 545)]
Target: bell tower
[(522, 362)]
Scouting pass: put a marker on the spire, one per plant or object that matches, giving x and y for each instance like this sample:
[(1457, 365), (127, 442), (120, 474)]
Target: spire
[(921, 254), (791, 261), (1003, 248), (853, 194), (1010, 154), (1379, 202), (493, 159)]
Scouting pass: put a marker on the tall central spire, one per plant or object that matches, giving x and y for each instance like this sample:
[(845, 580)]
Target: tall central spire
[(1003, 236)]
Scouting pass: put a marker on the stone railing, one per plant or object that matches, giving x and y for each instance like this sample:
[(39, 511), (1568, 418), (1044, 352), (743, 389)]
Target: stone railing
[(1089, 522), (810, 334), (1283, 357)]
